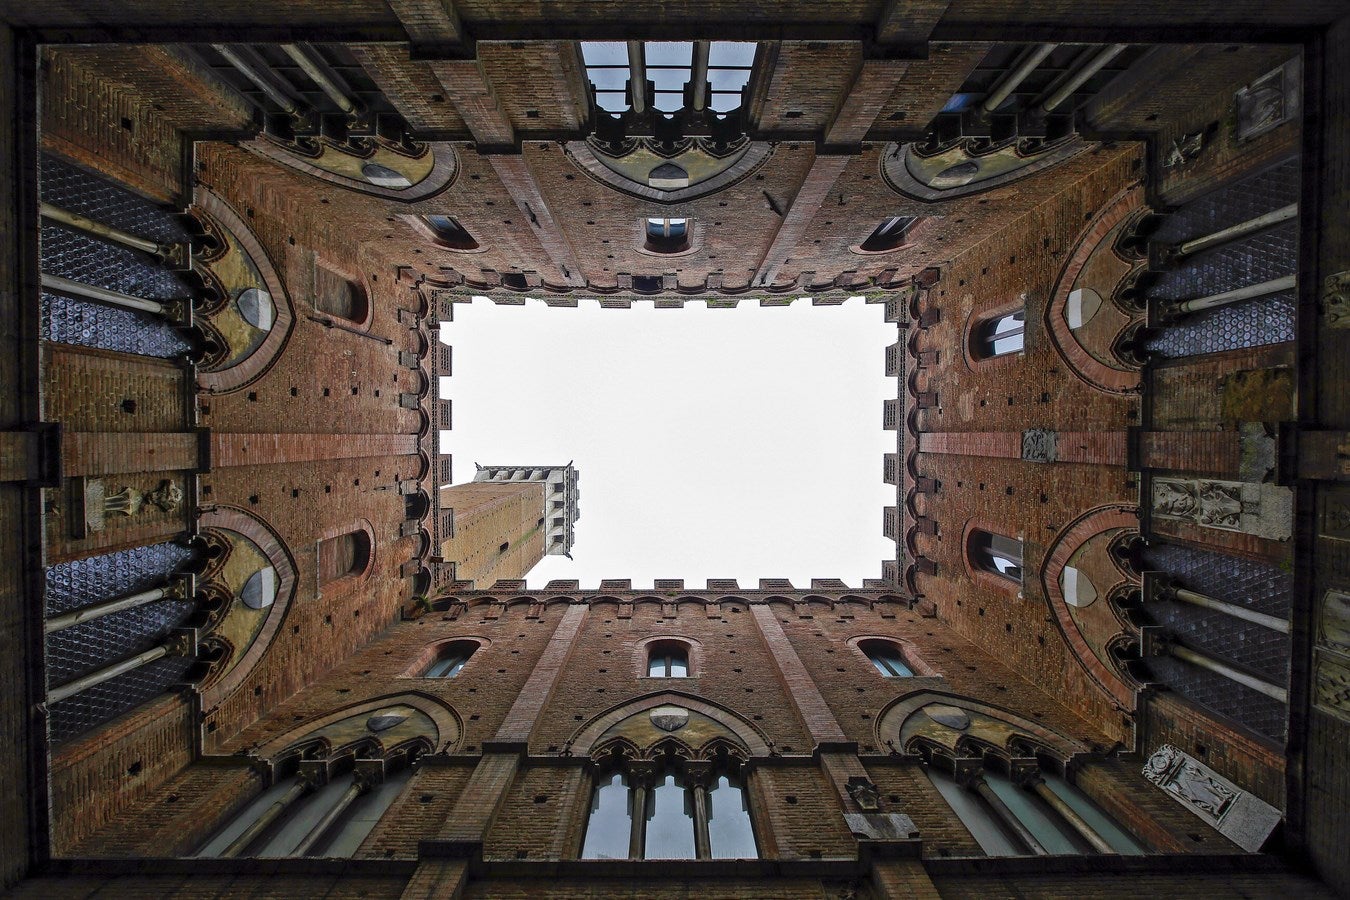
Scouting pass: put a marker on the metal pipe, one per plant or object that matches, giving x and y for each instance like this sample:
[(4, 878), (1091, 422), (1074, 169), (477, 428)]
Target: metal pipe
[(103, 295), (1251, 291), (260, 79), (98, 610), (70, 689), (82, 223), (1240, 230), (1275, 623), (320, 77), (700, 74), (637, 76), (1033, 58), (354, 790), (1006, 815), (1218, 667), (702, 837), (636, 834), (260, 824), (1071, 816), (1079, 78)]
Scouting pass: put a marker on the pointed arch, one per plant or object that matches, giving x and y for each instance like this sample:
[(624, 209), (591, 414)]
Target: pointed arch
[(752, 739), (905, 711), (448, 727)]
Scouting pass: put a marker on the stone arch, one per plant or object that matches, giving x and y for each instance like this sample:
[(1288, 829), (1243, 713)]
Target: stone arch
[(913, 655), (434, 166), (969, 165), (1098, 663), (226, 518), (431, 651), (750, 737), (252, 270), (695, 661), (446, 722), (903, 721), (1098, 269)]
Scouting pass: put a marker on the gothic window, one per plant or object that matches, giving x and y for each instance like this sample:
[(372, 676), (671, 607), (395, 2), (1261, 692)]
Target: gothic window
[(670, 809), (887, 657), (996, 554), (998, 335), (889, 235), (1038, 812), (668, 659), (339, 296), (669, 68), (346, 554), (313, 815), (667, 235), (450, 660), (449, 233)]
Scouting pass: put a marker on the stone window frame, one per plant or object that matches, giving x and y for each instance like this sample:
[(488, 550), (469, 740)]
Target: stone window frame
[(693, 657), (909, 652), (693, 237)]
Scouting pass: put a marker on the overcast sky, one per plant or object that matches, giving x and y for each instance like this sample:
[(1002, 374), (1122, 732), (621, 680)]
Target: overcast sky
[(738, 443)]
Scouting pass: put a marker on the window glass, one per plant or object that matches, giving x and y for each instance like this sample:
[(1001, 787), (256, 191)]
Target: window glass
[(997, 554), (656, 667), (888, 661), (283, 839), (729, 831), (679, 667), (360, 818), (1054, 834), (610, 824), (1120, 840), (670, 820), (978, 819)]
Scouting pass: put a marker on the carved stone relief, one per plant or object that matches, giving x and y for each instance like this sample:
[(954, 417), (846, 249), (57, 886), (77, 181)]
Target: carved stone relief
[(1236, 814), (1333, 621), (1336, 300), (1040, 445), (99, 503), (1264, 510), (1331, 684), (1184, 149), (1268, 102)]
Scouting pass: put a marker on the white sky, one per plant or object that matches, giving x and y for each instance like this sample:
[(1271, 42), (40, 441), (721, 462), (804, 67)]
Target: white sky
[(738, 443)]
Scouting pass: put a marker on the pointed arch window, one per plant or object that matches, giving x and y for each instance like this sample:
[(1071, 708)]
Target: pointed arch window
[(996, 554), (670, 808), (668, 659), (888, 658), (999, 335), (891, 234), (451, 659)]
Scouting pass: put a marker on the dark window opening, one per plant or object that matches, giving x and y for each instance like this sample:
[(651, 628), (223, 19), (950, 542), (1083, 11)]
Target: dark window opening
[(449, 233), (346, 554), (996, 554), (890, 234)]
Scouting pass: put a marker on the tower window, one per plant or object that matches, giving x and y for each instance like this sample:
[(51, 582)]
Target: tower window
[(888, 658), (668, 659), (669, 67), (346, 554), (675, 821), (339, 296), (996, 554), (450, 660), (999, 335), (889, 235), (667, 235), (449, 233)]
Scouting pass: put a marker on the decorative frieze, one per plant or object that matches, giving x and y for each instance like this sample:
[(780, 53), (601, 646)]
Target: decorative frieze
[(1264, 510), (1236, 814)]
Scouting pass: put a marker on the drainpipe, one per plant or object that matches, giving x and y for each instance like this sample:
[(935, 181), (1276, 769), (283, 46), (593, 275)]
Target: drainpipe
[(180, 589), (1031, 58), (1079, 78), (637, 76), (700, 74), (300, 56)]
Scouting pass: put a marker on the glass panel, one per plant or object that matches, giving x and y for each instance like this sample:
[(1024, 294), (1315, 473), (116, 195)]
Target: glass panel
[(1032, 812), (359, 819), (670, 102), (610, 824), (669, 54), (609, 79), (896, 665), (724, 102), (958, 102), (244, 818), (731, 53), (668, 79), (877, 661), (604, 53), (729, 829), (305, 813), (1120, 840), (656, 667), (611, 102), (1006, 566), (1010, 344), (1009, 323), (679, 667), (670, 820), (977, 817), (728, 79)]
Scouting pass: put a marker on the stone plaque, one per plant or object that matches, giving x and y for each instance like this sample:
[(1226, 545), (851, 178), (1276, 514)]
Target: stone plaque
[(1264, 510), (881, 826), (1039, 445), (1331, 684), (1268, 102), (1236, 814)]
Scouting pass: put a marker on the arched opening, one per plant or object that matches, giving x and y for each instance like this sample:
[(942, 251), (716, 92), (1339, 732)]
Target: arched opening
[(450, 659), (667, 235), (346, 554), (996, 554), (668, 659), (889, 235), (888, 658), (339, 296), (998, 335), (449, 233)]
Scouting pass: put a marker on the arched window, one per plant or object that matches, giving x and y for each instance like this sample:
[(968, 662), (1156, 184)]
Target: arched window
[(889, 235), (667, 235), (668, 659), (450, 659), (998, 335), (339, 296), (1038, 813), (689, 810), (996, 554), (346, 554), (887, 657), (311, 815), (449, 233)]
